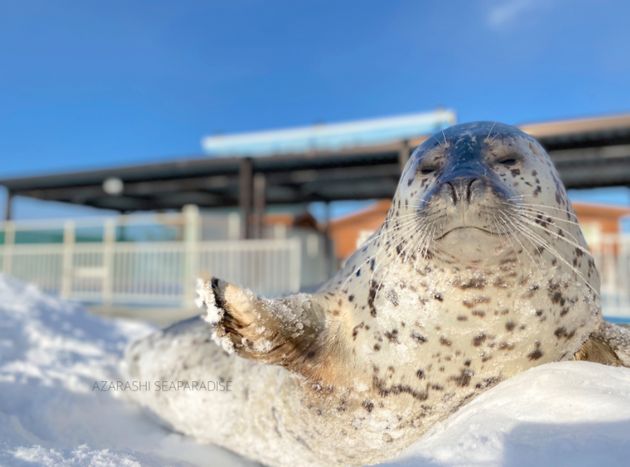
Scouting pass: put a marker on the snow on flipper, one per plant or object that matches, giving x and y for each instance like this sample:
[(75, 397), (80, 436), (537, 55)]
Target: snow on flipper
[(609, 345), (290, 332)]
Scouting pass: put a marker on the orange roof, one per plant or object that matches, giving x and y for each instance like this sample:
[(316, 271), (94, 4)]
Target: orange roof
[(595, 209), (379, 206)]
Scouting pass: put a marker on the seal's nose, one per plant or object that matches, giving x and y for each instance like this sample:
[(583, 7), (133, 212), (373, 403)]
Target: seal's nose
[(461, 189)]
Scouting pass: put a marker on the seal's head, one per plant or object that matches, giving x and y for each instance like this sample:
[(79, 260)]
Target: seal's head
[(468, 184)]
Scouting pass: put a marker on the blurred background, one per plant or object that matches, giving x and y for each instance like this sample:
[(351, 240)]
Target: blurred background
[(144, 143)]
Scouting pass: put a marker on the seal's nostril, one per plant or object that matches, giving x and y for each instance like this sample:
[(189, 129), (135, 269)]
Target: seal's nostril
[(469, 188)]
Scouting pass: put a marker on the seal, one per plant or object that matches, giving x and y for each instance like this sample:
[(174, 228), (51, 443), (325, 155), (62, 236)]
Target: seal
[(479, 272)]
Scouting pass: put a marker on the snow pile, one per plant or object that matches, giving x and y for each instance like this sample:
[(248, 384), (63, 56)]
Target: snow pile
[(52, 352), (566, 413)]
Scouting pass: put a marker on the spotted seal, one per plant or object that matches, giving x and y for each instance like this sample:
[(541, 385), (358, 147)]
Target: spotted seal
[(479, 271)]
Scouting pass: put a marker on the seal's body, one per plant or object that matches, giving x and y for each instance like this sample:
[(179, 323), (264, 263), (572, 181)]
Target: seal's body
[(479, 272)]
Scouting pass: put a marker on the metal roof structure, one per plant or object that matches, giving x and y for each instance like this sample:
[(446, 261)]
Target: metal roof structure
[(329, 136), (587, 152)]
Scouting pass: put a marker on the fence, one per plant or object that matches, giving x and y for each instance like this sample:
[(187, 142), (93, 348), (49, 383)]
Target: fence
[(118, 264), (612, 257), (154, 273)]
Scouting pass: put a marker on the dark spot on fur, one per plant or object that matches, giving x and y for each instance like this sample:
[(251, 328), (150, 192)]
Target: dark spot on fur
[(479, 339), (464, 377), (419, 338), (392, 296), (536, 353), (368, 405), (392, 336), (371, 297), (385, 391), (474, 283)]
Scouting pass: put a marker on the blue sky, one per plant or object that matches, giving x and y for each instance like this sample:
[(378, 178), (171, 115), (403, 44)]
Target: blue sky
[(86, 83)]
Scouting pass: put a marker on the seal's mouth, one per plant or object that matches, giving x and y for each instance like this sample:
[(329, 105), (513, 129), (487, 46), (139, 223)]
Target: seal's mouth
[(467, 227)]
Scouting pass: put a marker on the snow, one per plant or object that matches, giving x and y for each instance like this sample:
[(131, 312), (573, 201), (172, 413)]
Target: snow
[(565, 413), (52, 352)]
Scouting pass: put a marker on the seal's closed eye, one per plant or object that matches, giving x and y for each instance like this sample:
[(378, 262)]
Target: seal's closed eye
[(428, 169), (508, 161)]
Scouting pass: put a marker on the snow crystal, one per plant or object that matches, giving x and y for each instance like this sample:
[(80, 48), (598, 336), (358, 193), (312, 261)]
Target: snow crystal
[(263, 346), (205, 296), (223, 341)]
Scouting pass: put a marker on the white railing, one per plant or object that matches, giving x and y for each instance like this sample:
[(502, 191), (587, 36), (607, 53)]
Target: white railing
[(161, 273), (99, 261), (612, 257)]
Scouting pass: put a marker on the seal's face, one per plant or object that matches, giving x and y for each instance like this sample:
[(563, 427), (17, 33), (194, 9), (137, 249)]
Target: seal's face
[(466, 185)]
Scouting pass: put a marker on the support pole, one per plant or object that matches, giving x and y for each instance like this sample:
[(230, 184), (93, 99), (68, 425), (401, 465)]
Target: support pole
[(246, 188), (403, 154), (67, 273), (8, 207), (192, 234), (331, 259), (260, 204), (9, 241), (109, 243)]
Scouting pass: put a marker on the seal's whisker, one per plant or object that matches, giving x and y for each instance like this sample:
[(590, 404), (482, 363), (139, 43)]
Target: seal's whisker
[(387, 260), (425, 241), (408, 248), (511, 235), (560, 237), (490, 133), (543, 208), (541, 242), (543, 220), (536, 220), (514, 225), (553, 208), (546, 215), (381, 233), (428, 241)]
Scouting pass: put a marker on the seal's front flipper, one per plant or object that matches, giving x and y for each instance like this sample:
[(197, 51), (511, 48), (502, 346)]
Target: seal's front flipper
[(290, 331), (609, 344)]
